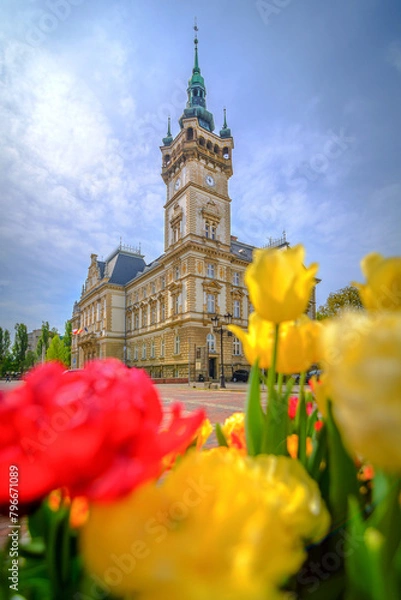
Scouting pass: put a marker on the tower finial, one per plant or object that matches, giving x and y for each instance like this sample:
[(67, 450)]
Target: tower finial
[(196, 64), (226, 131), (169, 138)]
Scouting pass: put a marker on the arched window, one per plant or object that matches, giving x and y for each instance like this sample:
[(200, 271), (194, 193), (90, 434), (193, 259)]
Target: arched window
[(211, 342), (190, 133), (201, 141), (209, 146), (226, 153), (216, 149)]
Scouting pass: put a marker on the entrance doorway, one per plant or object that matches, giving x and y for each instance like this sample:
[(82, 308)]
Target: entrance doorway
[(212, 368)]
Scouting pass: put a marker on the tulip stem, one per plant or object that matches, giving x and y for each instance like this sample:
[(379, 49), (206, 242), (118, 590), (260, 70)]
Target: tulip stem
[(271, 378)]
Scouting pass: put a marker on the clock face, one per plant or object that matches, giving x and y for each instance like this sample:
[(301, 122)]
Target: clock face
[(209, 180), (177, 183)]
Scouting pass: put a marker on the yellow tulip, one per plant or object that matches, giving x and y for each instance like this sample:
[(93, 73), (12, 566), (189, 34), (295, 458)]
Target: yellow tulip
[(279, 284), (234, 431), (382, 290), (257, 342), (362, 364), (297, 345), (220, 525)]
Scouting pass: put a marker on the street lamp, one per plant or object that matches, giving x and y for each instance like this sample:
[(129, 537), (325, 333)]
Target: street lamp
[(215, 320)]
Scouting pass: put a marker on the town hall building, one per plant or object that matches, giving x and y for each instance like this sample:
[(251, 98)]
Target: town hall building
[(169, 317)]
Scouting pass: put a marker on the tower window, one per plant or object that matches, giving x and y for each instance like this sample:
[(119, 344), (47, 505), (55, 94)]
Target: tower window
[(226, 153), (190, 133)]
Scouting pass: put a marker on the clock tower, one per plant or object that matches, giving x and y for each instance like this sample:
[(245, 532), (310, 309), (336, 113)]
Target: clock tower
[(196, 167)]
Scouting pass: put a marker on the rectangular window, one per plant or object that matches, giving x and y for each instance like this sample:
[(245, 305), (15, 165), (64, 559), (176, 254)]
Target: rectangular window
[(152, 349), (163, 282), (212, 232), (144, 351), (153, 287), (162, 347), (177, 344), (237, 309), (207, 230), (210, 270), (236, 278), (135, 352), (153, 315), (211, 303), (162, 312), (236, 347), (176, 304)]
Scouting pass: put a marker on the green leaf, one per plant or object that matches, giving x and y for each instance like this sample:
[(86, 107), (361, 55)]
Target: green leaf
[(313, 418), (342, 472), (221, 438), (254, 415), (319, 452), (357, 556), (386, 517), (275, 439)]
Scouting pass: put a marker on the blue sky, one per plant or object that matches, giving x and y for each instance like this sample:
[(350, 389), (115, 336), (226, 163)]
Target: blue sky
[(313, 95)]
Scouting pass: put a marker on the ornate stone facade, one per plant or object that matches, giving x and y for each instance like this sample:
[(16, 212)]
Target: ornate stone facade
[(158, 316)]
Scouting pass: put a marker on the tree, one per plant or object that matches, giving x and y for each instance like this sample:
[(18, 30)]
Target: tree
[(44, 340), (57, 351), (67, 338), (345, 298), (5, 354), (20, 346)]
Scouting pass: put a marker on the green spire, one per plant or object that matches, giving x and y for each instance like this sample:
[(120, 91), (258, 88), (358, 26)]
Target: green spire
[(196, 104), (167, 140), (196, 68), (226, 131)]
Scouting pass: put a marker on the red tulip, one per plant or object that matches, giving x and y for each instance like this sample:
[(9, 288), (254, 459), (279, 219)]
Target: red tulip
[(95, 431)]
